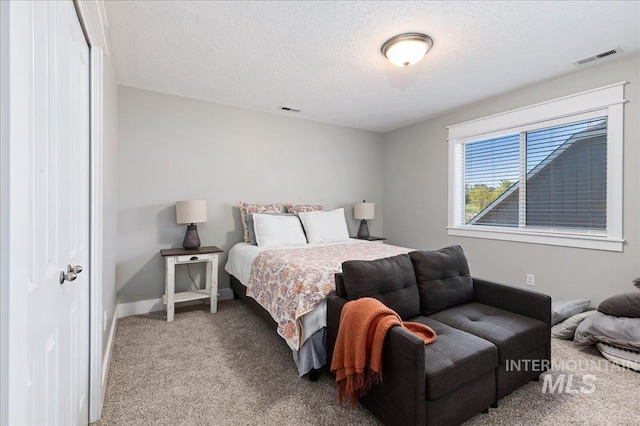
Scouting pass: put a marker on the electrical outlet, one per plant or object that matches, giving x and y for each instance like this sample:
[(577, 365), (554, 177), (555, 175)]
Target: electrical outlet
[(531, 279), (104, 327)]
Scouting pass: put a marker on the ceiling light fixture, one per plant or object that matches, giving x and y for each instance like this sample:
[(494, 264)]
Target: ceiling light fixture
[(406, 49)]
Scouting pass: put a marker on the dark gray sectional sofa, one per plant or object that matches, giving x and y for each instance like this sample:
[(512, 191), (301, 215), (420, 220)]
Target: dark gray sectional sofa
[(491, 338)]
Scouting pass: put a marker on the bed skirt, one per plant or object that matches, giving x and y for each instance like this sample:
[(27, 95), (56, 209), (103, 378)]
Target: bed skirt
[(312, 355)]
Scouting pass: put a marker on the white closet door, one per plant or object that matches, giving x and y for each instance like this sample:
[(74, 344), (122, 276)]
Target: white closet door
[(58, 313)]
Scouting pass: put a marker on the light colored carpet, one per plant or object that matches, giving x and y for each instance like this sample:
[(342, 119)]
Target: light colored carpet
[(229, 368)]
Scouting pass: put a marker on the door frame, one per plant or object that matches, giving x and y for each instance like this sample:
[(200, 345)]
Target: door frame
[(93, 19), (5, 151), (97, 380), (13, 204), (4, 211), (14, 223)]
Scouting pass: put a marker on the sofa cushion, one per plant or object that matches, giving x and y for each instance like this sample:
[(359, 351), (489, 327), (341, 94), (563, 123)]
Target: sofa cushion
[(513, 334), (443, 278), (391, 280), (455, 358)]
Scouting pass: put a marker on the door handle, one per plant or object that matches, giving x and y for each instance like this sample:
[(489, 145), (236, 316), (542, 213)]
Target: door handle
[(75, 269), (69, 276)]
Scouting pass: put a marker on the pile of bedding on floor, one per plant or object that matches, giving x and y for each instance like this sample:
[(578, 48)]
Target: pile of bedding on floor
[(614, 328)]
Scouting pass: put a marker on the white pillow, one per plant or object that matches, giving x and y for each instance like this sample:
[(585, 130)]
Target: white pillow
[(325, 227), (276, 231)]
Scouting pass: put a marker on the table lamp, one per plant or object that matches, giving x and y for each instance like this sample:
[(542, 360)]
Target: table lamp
[(192, 212), (363, 211)]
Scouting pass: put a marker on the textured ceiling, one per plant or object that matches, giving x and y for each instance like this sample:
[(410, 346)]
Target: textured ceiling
[(324, 57)]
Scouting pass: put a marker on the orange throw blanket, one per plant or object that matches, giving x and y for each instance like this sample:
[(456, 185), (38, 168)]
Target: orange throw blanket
[(357, 356)]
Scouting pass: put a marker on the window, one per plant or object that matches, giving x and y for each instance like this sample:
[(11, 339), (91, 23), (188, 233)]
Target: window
[(491, 169), (550, 173)]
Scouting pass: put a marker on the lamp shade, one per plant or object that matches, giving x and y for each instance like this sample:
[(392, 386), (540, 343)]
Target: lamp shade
[(364, 210), (193, 211)]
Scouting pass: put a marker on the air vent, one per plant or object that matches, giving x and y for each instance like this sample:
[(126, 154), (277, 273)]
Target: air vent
[(290, 109), (605, 54), (597, 57), (586, 60)]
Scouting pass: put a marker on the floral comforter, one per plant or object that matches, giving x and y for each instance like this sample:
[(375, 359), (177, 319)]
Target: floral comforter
[(292, 282)]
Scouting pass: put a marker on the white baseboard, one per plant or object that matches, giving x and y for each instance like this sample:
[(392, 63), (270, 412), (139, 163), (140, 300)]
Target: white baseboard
[(153, 305), (140, 307), (107, 361)]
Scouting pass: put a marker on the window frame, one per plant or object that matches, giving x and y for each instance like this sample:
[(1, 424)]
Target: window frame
[(607, 101)]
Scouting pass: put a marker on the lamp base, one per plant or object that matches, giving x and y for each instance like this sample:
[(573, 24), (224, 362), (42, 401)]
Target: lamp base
[(363, 231), (191, 238)]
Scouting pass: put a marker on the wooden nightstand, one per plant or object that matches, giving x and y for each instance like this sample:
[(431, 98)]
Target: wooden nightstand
[(173, 257), (371, 238)]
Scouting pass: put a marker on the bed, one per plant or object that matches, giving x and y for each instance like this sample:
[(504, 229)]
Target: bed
[(288, 287)]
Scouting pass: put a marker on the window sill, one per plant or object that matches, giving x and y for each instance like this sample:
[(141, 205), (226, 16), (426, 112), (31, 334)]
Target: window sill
[(554, 239)]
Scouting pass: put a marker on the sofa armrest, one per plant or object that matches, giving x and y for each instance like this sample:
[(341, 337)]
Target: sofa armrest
[(404, 350), (403, 354), (400, 397), (517, 300), (334, 309), (401, 394)]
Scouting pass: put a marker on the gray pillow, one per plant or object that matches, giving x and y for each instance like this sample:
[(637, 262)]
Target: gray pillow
[(250, 227), (622, 305), (567, 328), (563, 309)]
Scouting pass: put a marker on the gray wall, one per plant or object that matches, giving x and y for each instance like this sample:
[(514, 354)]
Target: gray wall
[(415, 195), (174, 148), (110, 195)]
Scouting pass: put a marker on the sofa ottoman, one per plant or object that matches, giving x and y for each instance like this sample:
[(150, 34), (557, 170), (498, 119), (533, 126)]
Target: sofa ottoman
[(515, 337)]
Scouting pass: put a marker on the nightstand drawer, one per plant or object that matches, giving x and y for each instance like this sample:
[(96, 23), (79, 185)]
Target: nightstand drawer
[(188, 258)]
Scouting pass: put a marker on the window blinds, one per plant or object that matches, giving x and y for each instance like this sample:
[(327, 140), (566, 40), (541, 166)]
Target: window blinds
[(565, 168), (491, 170), (567, 176)]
